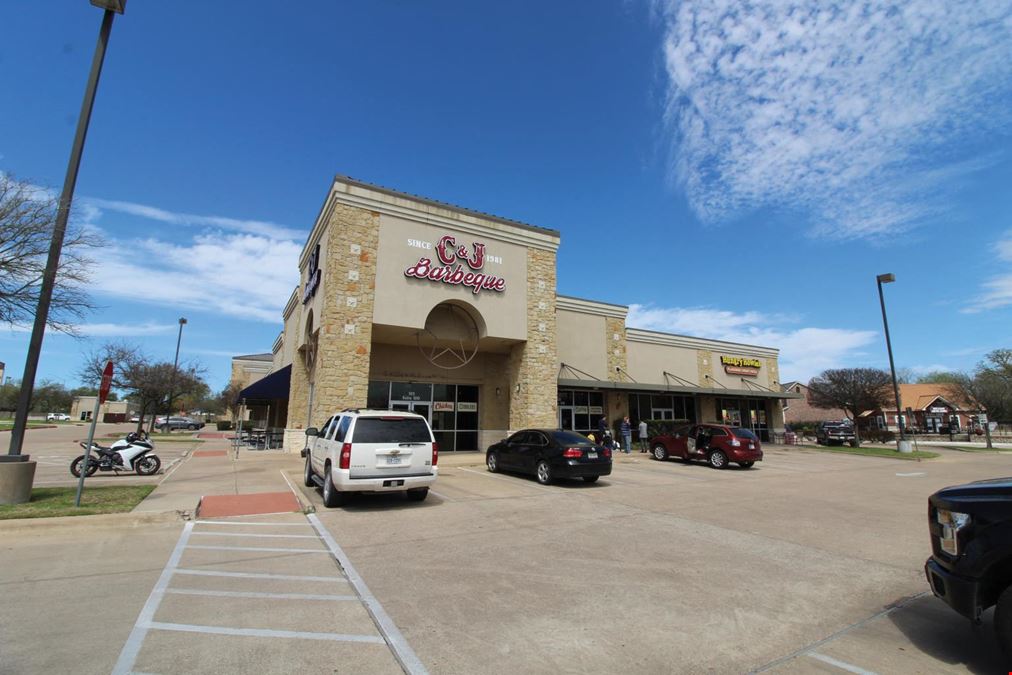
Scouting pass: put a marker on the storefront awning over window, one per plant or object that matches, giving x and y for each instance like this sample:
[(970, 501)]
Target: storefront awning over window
[(274, 386), (672, 389)]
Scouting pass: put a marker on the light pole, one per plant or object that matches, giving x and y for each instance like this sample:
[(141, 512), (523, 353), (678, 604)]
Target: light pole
[(888, 279), (111, 7), (172, 378)]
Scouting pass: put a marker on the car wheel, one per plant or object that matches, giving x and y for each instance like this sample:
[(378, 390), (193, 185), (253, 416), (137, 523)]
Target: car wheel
[(717, 459), (418, 494), (492, 462), (191, 427), (544, 472), (746, 465), (331, 496), (1003, 621), (307, 477), (590, 479), (660, 452)]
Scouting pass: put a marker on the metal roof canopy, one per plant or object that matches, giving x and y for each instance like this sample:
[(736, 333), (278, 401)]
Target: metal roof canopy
[(273, 387), (633, 387)]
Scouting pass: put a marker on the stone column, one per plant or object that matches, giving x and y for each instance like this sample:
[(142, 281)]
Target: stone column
[(533, 365), (345, 341)]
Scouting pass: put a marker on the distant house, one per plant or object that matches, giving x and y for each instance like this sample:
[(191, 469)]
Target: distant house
[(927, 408), (801, 410)]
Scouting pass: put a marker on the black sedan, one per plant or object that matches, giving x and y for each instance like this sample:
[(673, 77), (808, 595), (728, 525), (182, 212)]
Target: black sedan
[(550, 454)]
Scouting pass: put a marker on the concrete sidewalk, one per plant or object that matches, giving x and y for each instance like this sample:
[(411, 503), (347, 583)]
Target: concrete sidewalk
[(216, 469)]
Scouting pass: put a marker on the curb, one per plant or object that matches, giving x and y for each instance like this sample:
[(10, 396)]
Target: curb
[(42, 526)]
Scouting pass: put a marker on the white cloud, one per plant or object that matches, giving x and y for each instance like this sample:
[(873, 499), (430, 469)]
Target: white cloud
[(840, 112), (804, 352), (257, 227), (996, 292), (125, 329), (238, 275)]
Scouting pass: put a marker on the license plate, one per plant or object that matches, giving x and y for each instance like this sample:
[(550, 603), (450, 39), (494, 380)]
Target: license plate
[(393, 460), (592, 455)]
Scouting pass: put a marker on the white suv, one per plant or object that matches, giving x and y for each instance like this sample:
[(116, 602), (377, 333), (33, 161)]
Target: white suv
[(57, 417), (371, 451)]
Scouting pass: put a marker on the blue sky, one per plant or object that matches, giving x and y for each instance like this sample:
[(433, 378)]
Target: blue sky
[(733, 171)]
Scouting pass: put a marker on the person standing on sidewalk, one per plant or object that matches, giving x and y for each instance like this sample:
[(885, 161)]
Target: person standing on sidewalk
[(644, 441), (625, 429), (602, 426)]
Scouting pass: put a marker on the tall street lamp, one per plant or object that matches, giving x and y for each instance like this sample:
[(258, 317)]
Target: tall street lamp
[(111, 7), (172, 378), (888, 279)]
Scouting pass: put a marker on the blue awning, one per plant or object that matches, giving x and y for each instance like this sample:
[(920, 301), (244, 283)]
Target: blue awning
[(274, 386)]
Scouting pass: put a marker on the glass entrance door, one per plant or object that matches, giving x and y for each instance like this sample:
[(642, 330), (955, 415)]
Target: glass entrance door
[(417, 407), (566, 418)]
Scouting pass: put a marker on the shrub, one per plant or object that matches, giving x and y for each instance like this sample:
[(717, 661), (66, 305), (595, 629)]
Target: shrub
[(224, 425), (878, 435)]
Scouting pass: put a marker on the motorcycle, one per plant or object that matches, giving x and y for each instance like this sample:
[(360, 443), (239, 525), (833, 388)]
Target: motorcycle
[(132, 453)]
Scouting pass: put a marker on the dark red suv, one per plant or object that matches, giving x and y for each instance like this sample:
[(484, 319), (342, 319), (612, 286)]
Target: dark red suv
[(718, 444)]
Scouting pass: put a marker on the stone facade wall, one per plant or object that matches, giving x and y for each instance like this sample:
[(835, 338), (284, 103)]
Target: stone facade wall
[(342, 370), (339, 376), (533, 365), (615, 348), (704, 366)]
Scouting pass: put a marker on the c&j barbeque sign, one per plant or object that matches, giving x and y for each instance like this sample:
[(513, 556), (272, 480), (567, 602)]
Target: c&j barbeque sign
[(461, 265)]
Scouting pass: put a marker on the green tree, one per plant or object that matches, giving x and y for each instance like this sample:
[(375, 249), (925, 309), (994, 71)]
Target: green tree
[(854, 390), (51, 397)]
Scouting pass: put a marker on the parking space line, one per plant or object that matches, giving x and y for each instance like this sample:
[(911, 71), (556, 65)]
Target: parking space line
[(842, 665), (258, 575), (260, 548), (263, 632), (510, 480), (810, 648), (255, 595), (442, 496), (132, 647), (398, 645), (258, 536)]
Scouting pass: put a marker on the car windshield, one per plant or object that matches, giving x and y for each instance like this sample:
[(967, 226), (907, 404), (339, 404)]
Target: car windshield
[(570, 438), (391, 430), (744, 433)]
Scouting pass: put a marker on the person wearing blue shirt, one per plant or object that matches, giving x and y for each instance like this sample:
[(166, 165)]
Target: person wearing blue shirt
[(625, 429)]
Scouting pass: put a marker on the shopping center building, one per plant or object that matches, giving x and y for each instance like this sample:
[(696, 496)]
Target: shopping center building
[(406, 303)]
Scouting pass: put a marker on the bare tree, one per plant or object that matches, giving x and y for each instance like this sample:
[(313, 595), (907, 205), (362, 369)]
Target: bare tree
[(27, 217), (150, 384), (855, 390)]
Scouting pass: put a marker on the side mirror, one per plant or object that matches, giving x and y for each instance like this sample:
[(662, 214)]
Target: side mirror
[(312, 431)]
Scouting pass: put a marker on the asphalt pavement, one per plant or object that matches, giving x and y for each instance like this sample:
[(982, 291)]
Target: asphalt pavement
[(809, 562)]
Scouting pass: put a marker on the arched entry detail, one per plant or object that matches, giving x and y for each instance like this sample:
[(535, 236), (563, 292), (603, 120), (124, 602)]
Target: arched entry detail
[(451, 334)]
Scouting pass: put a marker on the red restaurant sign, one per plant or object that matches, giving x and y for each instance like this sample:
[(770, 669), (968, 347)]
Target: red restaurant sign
[(453, 272)]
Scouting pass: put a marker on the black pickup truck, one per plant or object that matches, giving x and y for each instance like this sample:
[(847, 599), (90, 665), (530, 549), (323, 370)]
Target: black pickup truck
[(970, 567)]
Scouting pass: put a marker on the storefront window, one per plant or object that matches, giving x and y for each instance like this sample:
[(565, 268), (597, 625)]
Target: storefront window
[(410, 391), (379, 395)]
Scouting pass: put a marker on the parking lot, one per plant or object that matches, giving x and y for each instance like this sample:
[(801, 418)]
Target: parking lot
[(808, 562)]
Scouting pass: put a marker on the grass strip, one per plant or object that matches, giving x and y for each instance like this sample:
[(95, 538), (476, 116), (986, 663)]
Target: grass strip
[(59, 501), (875, 452)]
